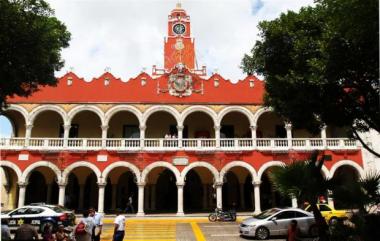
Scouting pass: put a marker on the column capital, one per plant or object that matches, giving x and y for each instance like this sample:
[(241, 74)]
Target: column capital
[(323, 127), (62, 183), (101, 184), (218, 184), (288, 126), (180, 184), (104, 127), (253, 127), (29, 126), (142, 127), (22, 184), (180, 128), (67, 126), (141, 184), (217, 128), (256, 183)]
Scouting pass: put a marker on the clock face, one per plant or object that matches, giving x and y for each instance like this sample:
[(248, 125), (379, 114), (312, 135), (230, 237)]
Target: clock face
[(179, 28)]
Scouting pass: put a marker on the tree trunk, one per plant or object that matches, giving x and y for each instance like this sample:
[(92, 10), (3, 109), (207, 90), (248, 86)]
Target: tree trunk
[(321, 223)]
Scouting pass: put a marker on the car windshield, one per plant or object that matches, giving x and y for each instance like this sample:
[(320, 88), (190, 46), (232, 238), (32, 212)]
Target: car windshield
[(267, 213), (58, 209)]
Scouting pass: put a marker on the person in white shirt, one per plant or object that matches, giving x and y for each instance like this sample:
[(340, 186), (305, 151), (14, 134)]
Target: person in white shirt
[(89, 227), (98, 224), (119, 230)]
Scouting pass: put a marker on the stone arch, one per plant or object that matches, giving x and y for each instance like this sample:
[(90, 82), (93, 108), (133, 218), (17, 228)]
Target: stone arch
[(19, 109), (259, 113), (91, 108), (35, 112), (239, 109), (71, 167), (26, 173), (264, 167), (353, 164), (154, 109), (14, 167), (198, 108), (169, 166), (210, 167), (128, 165), (245, 165), (325, 171), (111, 112)]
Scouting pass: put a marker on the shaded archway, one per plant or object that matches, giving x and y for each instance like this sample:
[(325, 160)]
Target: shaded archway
[(269, 196), (16, 122), (123, 124), (48, 123), (42, 186), (161, 124), (270, 125), (345, 174), (9, 188), (198, 125), (86, 124), (161, 191), (235, 125)]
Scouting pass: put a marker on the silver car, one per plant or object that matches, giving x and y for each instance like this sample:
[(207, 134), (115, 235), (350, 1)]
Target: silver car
[(276, 221)]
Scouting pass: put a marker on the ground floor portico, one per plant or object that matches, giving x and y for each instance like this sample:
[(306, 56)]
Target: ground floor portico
[(170, 182)]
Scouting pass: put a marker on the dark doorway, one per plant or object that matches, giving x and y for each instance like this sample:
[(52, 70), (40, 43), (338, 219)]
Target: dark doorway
[(166, 192), (193, 192)]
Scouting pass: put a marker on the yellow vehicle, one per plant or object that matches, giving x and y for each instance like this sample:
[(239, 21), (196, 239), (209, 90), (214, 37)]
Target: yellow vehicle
[(329, 213)]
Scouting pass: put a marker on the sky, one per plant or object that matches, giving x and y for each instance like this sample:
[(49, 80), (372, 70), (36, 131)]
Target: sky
[(127, 36)]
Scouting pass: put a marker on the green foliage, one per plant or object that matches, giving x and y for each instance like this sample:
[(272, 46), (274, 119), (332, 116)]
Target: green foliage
[(321, 64), (31, 39)]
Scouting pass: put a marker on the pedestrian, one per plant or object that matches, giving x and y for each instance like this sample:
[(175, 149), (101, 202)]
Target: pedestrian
[(118, 233), (61, 235), (26, 232), (130, 204), (98, 220), (83, 230), (47, 233), (293, 232), (5, 232)]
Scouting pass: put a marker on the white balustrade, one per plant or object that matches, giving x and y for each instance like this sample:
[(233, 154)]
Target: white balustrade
[(162, 144)]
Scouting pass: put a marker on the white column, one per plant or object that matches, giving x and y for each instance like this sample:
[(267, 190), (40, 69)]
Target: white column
[(140, 211), (66, 133), (114, 193), (324, 136), (330, 200), (48, 192), (218, 186), (104, 135), (101, 186), (142, 135), (242, 201), (21, 193), (256, 187), (254, 135), (288, 127), (180, 198), (28, 133), (180, 135), (294, 202), (205, 195), (217, 135), (61, 194), (81, 196)]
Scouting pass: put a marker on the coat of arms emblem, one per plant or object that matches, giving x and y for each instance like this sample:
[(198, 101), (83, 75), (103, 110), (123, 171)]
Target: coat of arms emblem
[(180, 84)]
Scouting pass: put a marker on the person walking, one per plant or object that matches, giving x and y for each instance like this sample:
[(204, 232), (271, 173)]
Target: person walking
[(26, 232), (47, 233), (83, 230), (119, 229), (61, 235), (98, 220), (130, 204), (5, 232), (293, 232)]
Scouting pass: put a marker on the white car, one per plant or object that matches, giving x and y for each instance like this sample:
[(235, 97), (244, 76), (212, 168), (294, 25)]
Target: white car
[(276, 221)]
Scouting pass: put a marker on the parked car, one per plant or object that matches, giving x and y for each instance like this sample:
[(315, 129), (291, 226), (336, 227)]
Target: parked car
[(39, 216), (276, 221), (329, 213)]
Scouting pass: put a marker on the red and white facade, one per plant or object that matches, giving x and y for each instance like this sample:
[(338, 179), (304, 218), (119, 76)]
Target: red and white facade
[(176, 140)]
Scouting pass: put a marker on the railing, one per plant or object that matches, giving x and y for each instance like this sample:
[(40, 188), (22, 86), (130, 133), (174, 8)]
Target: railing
[(161, 144)]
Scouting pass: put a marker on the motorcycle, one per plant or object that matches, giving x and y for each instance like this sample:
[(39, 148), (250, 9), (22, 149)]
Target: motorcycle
[(220, 215)]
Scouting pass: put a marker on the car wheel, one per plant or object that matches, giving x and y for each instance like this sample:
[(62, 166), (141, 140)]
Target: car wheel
[(313, 230), (212, 217), (262, 233), (43, 225), (333, 221)]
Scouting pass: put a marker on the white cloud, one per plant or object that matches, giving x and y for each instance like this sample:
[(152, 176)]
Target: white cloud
[(128, 35)]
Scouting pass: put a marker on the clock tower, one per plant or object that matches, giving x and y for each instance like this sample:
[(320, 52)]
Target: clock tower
[(179, 45)]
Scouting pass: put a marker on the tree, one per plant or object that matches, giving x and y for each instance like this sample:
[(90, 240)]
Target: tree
[(304, 181), (321, 65), (31, 39)]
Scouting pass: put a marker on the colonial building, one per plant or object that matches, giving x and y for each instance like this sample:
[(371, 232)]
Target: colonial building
[(176, 140)]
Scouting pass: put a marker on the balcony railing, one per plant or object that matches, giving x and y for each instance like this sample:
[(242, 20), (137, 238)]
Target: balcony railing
[(160, 144)]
